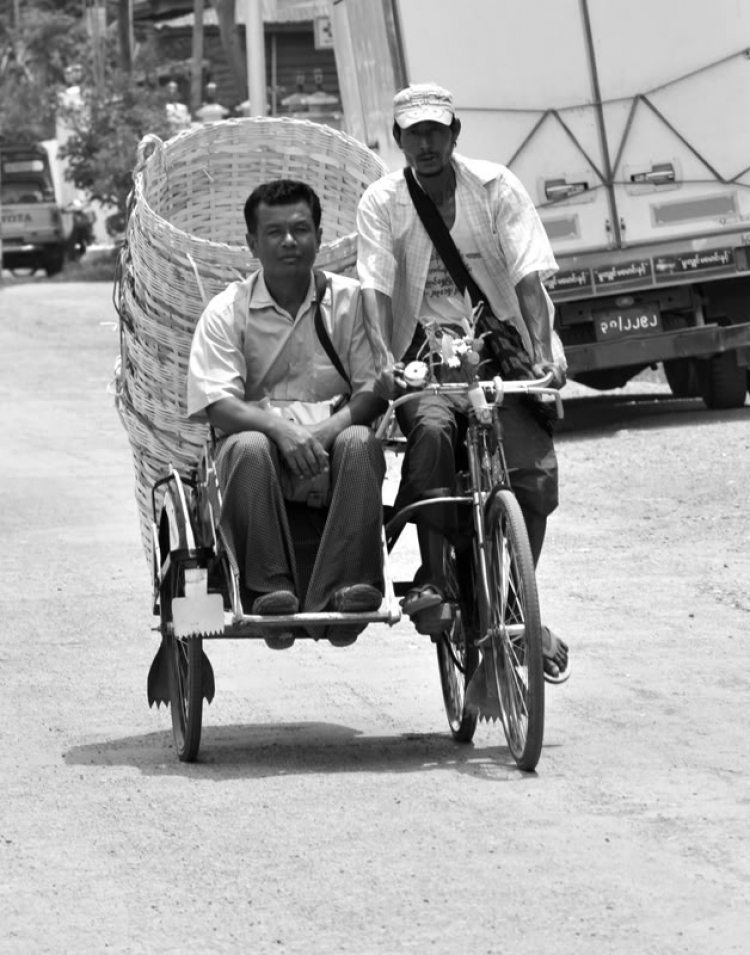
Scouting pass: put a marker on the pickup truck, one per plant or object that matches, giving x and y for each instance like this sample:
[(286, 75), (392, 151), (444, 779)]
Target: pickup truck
[(626, 122), (35, 230)]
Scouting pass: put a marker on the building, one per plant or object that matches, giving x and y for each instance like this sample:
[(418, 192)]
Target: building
[(300, 60)]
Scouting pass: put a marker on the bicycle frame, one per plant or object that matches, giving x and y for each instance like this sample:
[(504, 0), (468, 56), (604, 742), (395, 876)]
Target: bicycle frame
[(488, 470)]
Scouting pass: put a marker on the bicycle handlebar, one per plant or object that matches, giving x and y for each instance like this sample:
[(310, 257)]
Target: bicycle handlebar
[(499, 387)]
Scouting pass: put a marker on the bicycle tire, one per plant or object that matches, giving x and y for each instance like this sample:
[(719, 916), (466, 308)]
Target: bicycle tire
[(184, 675), (457, 655), (514, 652)]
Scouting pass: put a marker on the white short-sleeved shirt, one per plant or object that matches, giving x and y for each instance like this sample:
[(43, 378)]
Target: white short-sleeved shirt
[(394, 249), (245, 346)]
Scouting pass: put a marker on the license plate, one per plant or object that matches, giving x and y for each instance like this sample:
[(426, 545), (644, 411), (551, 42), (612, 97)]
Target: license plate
[(633, 322)]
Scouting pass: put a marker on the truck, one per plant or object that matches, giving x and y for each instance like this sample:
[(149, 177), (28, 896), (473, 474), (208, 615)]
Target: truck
[(627, 122), (35, 229)]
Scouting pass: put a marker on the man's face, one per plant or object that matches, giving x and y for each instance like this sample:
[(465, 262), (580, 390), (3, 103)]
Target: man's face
[(428, 147), (285, 240)]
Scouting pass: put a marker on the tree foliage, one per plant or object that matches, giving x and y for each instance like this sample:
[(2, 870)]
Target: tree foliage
[(102, 149), (33, 55), (114, 115)]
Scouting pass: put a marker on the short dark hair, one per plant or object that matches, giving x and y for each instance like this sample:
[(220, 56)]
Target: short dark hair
[(281, 192)]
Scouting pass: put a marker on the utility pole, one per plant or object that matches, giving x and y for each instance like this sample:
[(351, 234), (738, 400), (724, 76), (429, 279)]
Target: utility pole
[(196, 84), (255, 47), (125, 34), (96, 25)]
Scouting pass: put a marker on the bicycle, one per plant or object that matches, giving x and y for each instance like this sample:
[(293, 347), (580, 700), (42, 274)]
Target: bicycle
[(493, 603)]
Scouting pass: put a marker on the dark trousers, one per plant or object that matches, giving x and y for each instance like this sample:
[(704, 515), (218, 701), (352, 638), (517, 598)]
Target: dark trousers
[(434, 429)]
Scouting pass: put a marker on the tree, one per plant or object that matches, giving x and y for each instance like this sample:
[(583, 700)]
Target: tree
[(102, 149), (33, 55)]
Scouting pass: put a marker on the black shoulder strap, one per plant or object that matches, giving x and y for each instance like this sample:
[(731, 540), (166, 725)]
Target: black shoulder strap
[(439, 232), (322, 332)]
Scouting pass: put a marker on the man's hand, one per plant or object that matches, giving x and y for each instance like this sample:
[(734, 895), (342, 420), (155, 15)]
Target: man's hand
[(398, 383), (559, 376), (301, 449)]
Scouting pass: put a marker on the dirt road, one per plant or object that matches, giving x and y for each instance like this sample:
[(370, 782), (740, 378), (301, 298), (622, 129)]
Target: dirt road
[(331, 813)]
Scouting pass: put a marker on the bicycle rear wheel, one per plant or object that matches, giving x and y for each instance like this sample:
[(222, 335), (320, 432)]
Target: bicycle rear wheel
[(184, 674), (457, 656), (514, 652)]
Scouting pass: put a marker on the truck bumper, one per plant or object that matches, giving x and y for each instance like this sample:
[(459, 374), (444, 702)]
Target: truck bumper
[(700, 342)]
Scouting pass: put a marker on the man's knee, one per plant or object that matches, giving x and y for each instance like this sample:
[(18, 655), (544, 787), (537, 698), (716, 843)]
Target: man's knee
[(358, 446), (246, 450), (536, 490)]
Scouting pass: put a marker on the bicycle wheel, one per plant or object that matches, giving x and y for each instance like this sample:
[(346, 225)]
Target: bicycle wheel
[(514, 652), (184, 674), (457, 656)]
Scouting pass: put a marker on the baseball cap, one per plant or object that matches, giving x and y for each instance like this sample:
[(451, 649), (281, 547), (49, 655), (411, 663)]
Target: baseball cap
[(423, 102)]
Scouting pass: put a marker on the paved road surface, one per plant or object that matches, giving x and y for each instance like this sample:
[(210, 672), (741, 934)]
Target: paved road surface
[(330, 812)]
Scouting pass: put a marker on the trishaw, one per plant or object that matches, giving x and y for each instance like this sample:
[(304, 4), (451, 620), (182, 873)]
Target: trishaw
[(185, 242), (492, 606)]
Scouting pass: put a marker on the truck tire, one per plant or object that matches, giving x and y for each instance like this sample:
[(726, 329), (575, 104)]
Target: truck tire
[(606, 379), (723, 382), (54, 261), (682, 377)]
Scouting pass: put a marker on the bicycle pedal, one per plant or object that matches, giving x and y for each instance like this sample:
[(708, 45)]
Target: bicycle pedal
[(435, 620)]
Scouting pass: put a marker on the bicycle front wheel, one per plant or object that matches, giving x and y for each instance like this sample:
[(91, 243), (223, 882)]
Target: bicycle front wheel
[(514, 652)]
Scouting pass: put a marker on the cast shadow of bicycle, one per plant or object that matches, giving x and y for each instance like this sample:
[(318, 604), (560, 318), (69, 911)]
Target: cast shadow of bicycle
[(257, 751)]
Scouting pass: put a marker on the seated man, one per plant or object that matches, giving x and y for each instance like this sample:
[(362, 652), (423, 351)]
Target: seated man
[(256, 350)]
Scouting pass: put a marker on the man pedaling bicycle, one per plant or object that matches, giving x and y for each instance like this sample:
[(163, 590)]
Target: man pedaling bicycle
[(493, 247)]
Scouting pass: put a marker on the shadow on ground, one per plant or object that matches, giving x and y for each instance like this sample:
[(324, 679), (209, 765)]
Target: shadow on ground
[(292, 749), (609, 413)]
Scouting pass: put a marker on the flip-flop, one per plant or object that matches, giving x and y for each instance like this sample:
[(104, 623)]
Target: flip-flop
[(563, 675), (421, 598)]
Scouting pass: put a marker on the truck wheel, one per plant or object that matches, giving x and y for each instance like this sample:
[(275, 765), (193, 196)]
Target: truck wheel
[(723, 382), (54, 261), (605, 379), (682, 377)]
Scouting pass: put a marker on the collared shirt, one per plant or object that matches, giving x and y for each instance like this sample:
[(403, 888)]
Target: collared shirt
[(393, 254), (245, 346)]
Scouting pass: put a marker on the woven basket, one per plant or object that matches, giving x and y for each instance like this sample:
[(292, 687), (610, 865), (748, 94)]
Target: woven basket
[(185, 242)]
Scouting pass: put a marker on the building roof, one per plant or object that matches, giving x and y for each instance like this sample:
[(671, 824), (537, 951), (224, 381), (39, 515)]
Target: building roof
[(179, 13)]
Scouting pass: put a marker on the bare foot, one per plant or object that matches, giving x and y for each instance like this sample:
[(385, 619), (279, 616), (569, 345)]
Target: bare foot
[(555, 653)]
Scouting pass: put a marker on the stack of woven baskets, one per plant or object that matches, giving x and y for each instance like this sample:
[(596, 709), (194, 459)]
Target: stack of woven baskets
[(185, 242)]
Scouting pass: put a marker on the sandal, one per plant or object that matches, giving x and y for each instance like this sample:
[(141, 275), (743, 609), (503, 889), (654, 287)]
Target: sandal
[(421, 598), (551, 645)]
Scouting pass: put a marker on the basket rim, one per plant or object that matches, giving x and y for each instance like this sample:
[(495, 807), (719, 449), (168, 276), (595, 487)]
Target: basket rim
[(145, 163), (206, 130)]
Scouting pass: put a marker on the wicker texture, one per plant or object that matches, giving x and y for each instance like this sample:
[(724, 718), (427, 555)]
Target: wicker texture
[(185, 242)]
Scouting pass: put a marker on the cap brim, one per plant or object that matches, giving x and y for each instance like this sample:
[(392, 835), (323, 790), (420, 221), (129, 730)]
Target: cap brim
[(424, 114)]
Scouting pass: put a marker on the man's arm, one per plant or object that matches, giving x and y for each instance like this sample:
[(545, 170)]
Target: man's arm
[(378, 317), (376, 270), (363, 408), (535, 313)]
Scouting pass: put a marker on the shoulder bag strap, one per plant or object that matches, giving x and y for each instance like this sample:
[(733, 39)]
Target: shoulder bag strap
[(504, 342), (439, 232), (322, 332)]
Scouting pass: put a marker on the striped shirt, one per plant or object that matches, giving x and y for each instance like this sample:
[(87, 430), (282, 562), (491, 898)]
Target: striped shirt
[(394, 250)]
